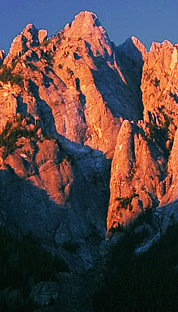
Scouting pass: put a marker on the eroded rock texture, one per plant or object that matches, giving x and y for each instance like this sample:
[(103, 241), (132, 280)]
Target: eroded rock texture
[(69, 106), (142, 168)]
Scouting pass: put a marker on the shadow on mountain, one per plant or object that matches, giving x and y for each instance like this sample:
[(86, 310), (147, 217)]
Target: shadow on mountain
[(124, 98), (146, 282), (130, 60), (24, 263), (21, 106), (82, 97), (43, 109), (31, 209), (27, 208)]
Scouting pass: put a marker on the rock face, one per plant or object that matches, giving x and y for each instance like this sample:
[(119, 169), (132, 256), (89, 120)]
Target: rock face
[(30, 37), (2, 56), (49, 181), (159, 79), (142, 161), (74, 82), (136, 175), (71, 106), (142, 166), (43, 294), (171, 181)]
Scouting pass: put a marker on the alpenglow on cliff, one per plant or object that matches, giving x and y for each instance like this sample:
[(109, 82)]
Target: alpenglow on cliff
[(88, 135)]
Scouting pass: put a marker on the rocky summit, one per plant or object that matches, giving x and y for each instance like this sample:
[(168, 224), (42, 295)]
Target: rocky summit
[(88, 145)]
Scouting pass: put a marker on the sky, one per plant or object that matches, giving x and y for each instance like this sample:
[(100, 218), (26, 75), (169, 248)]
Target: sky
[(148, 20)]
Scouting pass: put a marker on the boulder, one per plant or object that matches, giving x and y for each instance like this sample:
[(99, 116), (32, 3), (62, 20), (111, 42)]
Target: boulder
[(45, 293)]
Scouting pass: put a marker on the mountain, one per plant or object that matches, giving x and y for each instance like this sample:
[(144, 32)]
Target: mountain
[(143, 173), (88, 143)]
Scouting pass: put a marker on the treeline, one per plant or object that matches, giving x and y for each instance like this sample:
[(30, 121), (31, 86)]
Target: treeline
[(6, 75), (10, 135), (22, 261), (144, 283)]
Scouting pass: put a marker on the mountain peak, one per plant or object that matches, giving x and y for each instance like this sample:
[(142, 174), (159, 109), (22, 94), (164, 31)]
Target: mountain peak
[(157, 45), (30, 32), (134, 49), (167, 43), (80, 87), (85, 24), (87, 16), (87, 131), (29, 27), (28, 38), (139, 45), (2, 55)]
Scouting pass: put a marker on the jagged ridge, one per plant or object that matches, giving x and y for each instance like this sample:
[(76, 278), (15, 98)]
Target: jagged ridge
[(81, 103)]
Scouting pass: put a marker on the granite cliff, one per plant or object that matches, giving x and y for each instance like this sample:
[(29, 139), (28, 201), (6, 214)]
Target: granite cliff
[(88, 138)]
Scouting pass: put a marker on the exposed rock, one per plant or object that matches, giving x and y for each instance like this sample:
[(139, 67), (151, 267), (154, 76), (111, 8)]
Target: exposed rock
[(159, 83), (45, 293), (74, 83), (73, 103), (146, 165), (42, 35), (8, 105), (171, 181), (49, 182), (2, 56), (140, 47), (136, 172), (162, 218), (11, 299), (29, 38), (77, 290)]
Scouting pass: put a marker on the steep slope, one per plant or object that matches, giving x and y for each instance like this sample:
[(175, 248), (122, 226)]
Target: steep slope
[(171, 182), (143, 169), (72, 82), (138, 168), (45, 186), (88, 145), (69, 105), (69, 93)]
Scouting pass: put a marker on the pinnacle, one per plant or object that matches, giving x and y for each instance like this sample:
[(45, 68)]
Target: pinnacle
[(29, 30), (167, 43), (86, 19), (86, 15), (30, 26)]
